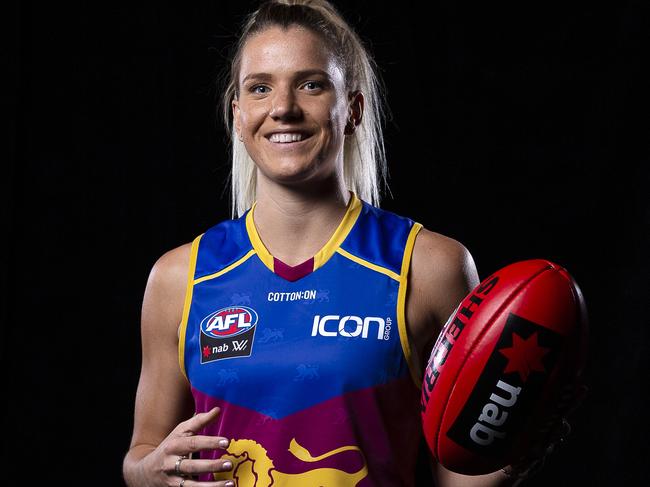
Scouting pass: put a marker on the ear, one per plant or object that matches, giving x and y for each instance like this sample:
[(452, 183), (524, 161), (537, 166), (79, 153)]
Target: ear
[(236, 118), (355, 111)]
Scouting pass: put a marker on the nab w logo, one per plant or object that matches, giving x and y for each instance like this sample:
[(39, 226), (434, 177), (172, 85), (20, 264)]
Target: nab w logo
[(351, 326), (238, 345)]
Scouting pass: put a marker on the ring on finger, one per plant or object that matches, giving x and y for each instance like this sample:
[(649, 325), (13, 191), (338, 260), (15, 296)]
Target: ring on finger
[(182, 483), (177, 467)]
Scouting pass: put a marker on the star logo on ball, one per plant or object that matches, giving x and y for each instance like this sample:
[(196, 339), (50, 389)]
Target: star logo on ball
[(206, 351), (524, 356)]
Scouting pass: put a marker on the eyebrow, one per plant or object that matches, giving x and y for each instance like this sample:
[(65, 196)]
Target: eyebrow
[(299, 74)]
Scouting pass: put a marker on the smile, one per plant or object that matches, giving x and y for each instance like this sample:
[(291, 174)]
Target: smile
[(286, 138)]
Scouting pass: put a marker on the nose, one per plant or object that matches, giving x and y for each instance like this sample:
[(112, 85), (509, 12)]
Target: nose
[(284, 105)]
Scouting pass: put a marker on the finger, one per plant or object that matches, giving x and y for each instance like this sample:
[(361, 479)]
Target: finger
[(174, 481), (193, 444), (560, 428), (570, 398), (194, 467), (184, 445), (560, 433), (580, 394), (199, 421), (563, 432)]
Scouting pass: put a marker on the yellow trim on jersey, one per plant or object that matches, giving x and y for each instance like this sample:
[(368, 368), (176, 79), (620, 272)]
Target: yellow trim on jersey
[(259, 247), (225, 269), (342, 231), (370, 265), (323, 255), (188, 302), (401, 302)]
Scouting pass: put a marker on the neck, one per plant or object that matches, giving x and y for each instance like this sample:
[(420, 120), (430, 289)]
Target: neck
[(295, 223)]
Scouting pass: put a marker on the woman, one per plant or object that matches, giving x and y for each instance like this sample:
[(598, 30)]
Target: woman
[(306, 321)]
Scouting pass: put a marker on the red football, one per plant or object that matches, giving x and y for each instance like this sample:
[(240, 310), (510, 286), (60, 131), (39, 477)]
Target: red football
[(494, 379)]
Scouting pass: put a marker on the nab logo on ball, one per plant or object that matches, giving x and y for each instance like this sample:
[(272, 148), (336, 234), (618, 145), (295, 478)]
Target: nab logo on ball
[(503, 396), (228, 333)]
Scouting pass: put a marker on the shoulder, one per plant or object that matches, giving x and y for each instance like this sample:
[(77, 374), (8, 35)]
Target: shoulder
[(171, 267), (439, 260), (166, 287), (441, 274)]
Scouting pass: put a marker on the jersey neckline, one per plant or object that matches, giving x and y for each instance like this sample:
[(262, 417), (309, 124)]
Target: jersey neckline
[(320, 258)]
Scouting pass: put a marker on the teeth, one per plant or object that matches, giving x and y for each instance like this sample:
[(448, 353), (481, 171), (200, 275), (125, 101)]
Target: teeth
[(284, 138)]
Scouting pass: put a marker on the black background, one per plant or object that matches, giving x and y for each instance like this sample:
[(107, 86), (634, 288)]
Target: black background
[(518, 128)]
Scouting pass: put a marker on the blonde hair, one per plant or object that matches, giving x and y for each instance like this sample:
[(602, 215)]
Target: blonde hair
[(364, 155)]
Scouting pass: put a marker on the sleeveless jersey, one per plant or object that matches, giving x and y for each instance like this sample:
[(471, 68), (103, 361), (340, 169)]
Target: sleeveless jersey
[(309, 364)]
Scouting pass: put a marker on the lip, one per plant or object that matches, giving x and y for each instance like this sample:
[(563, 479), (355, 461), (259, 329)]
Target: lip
[(287, 145), (289, 130)]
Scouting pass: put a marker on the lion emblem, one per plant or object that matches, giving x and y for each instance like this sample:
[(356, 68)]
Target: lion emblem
[(252, 467)]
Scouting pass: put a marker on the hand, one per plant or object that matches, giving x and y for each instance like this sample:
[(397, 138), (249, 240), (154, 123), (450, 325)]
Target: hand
[(169, 464), (531, 463)]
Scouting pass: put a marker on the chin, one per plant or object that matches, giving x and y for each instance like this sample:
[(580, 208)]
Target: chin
[(290, 170)]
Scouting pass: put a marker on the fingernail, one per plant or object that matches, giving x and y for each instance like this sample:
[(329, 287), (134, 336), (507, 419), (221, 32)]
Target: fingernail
[(224, 443), (227, 465)]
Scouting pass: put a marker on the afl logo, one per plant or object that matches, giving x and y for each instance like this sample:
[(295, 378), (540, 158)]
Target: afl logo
[(229, 322)]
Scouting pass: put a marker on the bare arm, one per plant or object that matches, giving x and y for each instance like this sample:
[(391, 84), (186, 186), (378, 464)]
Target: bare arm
[(162, 431), (442, 274)]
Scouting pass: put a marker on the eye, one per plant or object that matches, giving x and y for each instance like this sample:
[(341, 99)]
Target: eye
[(259, 89), (313, 85)]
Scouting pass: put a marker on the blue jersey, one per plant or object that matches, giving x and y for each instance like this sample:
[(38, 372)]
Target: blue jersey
[(309, 364)]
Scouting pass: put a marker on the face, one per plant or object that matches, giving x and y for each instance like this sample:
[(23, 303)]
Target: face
[(292, 107)]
